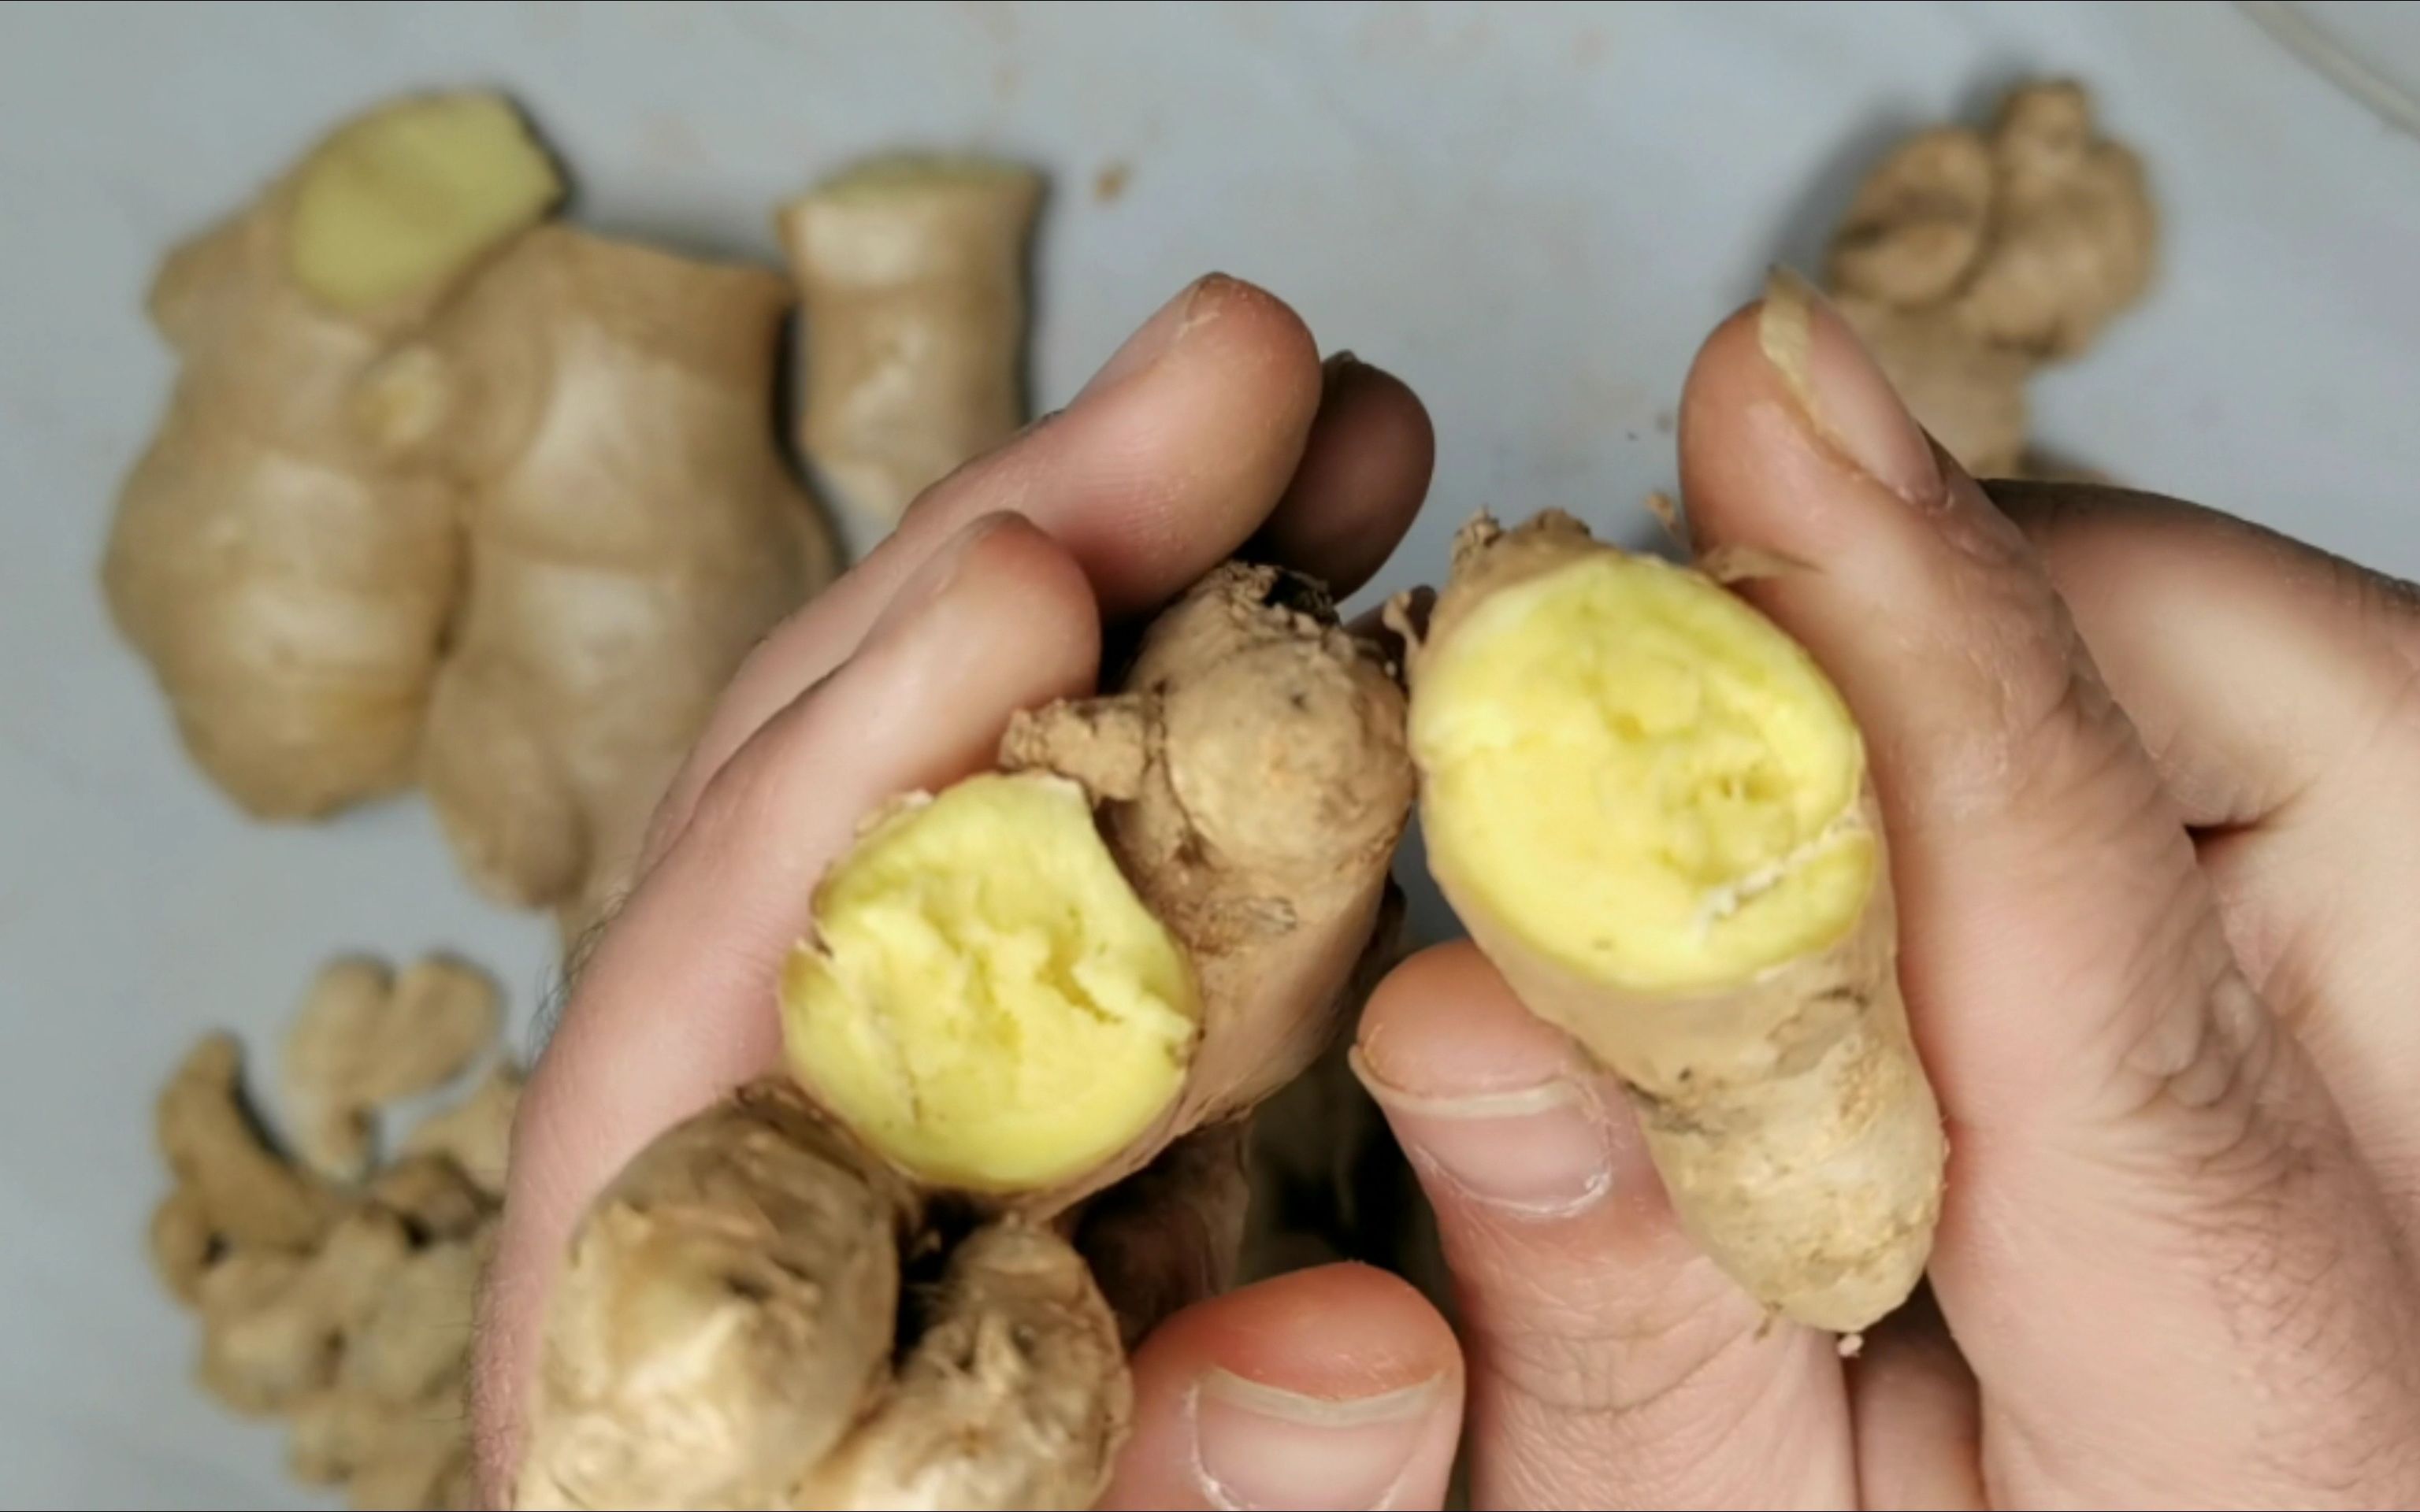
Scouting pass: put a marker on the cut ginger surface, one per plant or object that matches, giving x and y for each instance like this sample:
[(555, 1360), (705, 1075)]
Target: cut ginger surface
[(986, 1001), (1643, 778)]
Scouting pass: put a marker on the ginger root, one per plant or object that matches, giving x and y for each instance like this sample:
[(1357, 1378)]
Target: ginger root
[(446, 494), (230, 1185), (1652, 811), (1017, 993), (1969, 258), (289, 583), (912, 272), (632, 530), (477, 1134), (345, 1309), (366, 1038)]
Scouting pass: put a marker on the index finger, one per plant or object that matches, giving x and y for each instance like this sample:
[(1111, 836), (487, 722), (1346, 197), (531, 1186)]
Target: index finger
[(676, 1005)]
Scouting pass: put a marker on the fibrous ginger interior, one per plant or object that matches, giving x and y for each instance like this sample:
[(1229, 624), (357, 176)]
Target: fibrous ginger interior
[(986, 1001), (1644, 776), (402, 199)]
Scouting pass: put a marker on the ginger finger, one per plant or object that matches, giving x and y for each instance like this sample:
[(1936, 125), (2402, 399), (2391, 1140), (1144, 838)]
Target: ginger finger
[(246, 1195), (1652, 811), (1016, 1393), (727, 1313), (913, 276), (364, 1039), (632, 530)]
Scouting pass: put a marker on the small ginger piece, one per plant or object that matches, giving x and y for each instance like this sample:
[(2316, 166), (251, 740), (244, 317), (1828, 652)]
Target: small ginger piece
[(414, 1339), (1652, 813), (243, 1193), (477, 1134), (275, 1325), (1016, 1395), (1970, 258), (2074, 237), (424, 1472), (365, 1038), (288, 583), (913, 270), (604, 412), (435, 1198), (183, 1243)]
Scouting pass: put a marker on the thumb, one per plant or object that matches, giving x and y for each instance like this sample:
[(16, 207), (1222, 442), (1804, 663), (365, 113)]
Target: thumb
[(2134, 1136)]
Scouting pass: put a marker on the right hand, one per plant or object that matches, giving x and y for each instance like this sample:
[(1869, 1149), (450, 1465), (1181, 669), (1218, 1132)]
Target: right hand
[(2152, 784)]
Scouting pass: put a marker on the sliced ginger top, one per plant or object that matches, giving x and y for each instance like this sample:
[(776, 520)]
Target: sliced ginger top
[(986, 1001), (1642, 777)]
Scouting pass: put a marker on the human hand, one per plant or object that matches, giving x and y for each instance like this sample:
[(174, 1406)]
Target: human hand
[(1214, 428), (2152, 784), (2173, 1254)]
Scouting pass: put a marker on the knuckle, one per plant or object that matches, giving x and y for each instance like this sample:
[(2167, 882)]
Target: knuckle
[(1622, 1348)]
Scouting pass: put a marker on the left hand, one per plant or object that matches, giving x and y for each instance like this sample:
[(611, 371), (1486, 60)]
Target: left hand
[(1214, 428)]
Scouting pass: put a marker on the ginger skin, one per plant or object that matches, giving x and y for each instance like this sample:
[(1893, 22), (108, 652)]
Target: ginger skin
[(448, 496), (288, 582), (1970, 258), (1652, 813), (632, 531), (344, 1308), (912, 271), (1251, 781), (475, 1134), (366, 1038), (243, 1194)]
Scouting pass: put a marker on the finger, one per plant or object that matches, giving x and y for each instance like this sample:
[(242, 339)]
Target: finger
[(1919, 1419), (1362, 478), (2278, 691), (2133, 1136), (1335, 1387), (676, 1005), (1170, 458), (2186, 609), (1609, 1360)]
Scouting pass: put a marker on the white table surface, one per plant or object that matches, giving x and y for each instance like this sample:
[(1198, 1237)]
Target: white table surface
[(1531, 213)]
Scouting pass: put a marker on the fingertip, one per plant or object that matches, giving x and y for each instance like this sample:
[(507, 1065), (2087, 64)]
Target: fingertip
[(1336, 1387), (1334, 1332), (1363, 476), (1443, 1023), (1171, 460)]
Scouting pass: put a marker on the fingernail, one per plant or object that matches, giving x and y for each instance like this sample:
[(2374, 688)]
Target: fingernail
[(1843, 391), (1259, 1446), (1200, 301), (931, 582), (1339, 366), (1543, 1149)]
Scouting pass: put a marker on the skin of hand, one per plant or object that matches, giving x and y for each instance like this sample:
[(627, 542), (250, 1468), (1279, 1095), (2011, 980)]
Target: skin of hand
[(2149, 774), (1214, 428)]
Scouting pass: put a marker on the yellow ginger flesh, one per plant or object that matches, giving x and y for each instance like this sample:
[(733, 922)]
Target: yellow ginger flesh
[(405, 197), (985, 1001), (1643, 778)]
